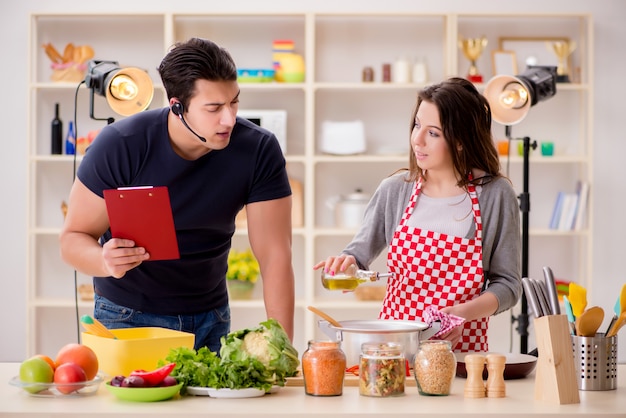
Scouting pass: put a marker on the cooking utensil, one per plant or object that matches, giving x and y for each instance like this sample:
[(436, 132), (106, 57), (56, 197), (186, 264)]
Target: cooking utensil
[(578, 298), (617, 309), (542, 296), (588, 323), (570, 315), (618, 324), (622, 316), (553, 296), (95, 327), (354, 333), (531, 297), (324, 315)]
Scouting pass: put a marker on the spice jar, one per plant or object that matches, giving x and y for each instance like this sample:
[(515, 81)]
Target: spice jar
[(382, 369), (324, 367), (434, 367)]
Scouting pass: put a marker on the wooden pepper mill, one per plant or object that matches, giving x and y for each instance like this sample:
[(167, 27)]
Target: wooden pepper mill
[(474, 385), (495, 380)]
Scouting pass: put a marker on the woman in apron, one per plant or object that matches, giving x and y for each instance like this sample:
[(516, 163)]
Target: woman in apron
[(450, 223)]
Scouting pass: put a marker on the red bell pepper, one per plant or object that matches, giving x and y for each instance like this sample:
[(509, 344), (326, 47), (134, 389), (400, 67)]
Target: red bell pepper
[(155, 377)]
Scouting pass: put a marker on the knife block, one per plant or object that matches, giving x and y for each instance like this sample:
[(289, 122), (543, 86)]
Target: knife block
[(555, 378)]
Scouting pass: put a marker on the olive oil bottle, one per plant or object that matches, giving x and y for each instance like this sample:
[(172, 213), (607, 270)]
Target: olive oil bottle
[(350, 279)]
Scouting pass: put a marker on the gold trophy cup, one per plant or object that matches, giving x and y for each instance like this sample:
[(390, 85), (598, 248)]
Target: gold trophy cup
[(472, 48), (562, 49)]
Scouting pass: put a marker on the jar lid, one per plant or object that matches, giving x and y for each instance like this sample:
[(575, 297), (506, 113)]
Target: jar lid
[(382, 349)]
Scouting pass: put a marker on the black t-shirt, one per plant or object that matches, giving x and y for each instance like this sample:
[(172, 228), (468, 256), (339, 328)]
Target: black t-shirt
[(206, 194)]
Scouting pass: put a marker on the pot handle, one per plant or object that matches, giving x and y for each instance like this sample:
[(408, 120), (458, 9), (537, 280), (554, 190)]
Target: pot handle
[(431, 330), (333, 334)]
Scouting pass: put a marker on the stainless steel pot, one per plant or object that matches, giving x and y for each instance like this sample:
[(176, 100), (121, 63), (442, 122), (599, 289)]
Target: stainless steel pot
[(353, 333)]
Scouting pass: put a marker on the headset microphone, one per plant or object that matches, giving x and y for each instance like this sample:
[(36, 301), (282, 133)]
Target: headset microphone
[(177, 109)]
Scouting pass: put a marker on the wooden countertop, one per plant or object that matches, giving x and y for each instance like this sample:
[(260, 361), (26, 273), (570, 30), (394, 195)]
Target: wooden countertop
[(292, 401)]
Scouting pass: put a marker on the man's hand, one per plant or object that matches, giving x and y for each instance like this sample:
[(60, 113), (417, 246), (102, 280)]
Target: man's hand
[(120, 255)]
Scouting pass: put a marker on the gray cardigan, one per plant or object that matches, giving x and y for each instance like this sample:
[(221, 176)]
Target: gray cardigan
[(501, 232)]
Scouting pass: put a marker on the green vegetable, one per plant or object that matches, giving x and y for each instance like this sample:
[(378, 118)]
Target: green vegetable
[(267, 343), (249, 358)]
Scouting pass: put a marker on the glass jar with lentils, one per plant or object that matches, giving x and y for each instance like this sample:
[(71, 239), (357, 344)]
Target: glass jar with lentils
[(434, 367)]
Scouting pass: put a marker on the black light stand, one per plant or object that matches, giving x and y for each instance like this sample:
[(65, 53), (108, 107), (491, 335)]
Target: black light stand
[(524, 198), (510, 98)]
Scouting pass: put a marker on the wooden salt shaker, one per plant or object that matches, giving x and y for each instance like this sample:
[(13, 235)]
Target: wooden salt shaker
[(495, 380), (474, 385)]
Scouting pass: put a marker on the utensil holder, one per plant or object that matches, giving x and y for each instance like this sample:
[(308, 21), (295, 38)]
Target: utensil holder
[(555, 379), (595, 360)]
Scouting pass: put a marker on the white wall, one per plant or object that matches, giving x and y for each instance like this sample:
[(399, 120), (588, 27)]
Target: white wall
[(609, 148)]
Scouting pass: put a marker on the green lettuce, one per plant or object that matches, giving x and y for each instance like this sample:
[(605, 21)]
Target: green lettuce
[(250, 358)]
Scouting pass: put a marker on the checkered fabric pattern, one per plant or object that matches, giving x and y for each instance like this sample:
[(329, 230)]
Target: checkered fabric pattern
[(434, 269)]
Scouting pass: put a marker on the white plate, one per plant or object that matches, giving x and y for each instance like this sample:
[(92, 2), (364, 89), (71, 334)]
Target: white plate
[(225, 393)]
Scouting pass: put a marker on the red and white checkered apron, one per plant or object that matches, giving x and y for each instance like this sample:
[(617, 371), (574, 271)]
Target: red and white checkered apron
[(430, 268)]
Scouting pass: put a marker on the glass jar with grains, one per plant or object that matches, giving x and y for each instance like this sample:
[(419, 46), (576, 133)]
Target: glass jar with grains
[(324, 367), (382, 369), (434, 367)]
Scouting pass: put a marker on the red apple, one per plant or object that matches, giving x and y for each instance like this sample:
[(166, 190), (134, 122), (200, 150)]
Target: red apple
[(67, 375)]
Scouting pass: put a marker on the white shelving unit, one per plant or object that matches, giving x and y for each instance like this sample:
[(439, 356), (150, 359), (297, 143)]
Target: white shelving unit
[(336, 47)]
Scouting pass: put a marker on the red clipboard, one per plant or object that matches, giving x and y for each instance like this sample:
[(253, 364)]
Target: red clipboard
[(144, 215)]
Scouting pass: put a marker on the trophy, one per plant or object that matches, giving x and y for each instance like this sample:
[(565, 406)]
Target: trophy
[(472, 48), (562, 49)]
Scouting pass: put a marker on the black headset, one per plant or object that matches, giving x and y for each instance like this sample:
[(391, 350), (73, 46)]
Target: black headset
[(178, 109)]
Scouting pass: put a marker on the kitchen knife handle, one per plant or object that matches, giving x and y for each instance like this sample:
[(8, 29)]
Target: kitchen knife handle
[(531, 297), (553, 296), (541, 296)]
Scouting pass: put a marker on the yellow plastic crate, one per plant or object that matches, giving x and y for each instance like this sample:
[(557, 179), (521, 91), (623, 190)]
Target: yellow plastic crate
[(135, 348)]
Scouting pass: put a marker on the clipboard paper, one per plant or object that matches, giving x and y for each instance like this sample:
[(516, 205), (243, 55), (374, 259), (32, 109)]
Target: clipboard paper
[(144, 215)]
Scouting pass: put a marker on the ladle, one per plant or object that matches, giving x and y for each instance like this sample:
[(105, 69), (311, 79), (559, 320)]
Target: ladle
[(324, 315), (588, 323)]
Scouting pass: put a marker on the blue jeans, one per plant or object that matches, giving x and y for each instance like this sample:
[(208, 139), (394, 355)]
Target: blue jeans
[(208, 327)]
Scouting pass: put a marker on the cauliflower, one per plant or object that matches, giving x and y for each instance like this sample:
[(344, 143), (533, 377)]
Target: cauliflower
[(255, 344), (268, 343)]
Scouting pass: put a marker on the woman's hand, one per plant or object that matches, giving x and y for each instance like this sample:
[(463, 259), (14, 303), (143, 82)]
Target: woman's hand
[(454, 336), (335, 264)]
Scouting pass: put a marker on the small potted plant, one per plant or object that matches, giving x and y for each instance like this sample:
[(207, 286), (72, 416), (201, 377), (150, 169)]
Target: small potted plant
[(243, 273)]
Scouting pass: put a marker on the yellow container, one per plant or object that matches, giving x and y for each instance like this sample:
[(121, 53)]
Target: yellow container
[(135, 348)]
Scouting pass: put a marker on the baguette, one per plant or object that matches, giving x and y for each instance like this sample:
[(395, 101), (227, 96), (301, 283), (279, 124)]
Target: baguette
[(68, 53), (52, 53)]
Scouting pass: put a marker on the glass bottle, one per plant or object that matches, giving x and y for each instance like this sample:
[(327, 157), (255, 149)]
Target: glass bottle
[(434, 367), (350, 278), (382, 370), (323, 367), (70, 140), (56, 132)]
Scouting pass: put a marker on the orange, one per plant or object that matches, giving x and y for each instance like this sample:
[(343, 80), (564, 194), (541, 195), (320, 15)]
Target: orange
[(47, 360), (80, 355)]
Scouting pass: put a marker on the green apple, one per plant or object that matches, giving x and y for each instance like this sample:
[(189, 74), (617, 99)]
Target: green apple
[(36, 370)]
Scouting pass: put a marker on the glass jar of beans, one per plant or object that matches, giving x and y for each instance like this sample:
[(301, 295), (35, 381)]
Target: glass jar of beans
[(324, 367), (434, 367)]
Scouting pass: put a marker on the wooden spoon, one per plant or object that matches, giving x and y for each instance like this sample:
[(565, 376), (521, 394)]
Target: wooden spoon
[(324, 315), (588, 323)]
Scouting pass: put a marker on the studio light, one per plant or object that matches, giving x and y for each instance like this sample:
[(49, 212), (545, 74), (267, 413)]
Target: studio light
[(127, 90), (510, 99)]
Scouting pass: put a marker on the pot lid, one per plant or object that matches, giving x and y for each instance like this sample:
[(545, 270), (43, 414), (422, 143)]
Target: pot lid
[(380, 326), (358, 195)]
